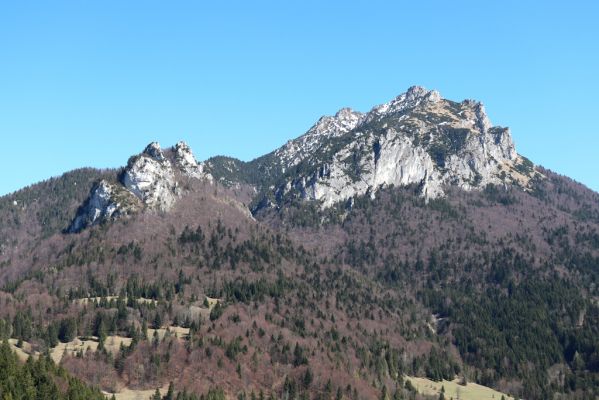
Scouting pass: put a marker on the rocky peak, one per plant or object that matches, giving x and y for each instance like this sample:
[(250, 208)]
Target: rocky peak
[(151, 180), (481, 118), (416, 138), (342, 122), (107, 201), (417, 94), (347, 119), (187, 163), (148, 182), (295, 151), (154, 151), (413, 97), (184, 155)]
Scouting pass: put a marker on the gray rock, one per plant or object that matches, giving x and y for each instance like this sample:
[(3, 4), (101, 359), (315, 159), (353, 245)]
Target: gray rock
[(187, 163), (150, 177), (107, 201), (417, 138), (148, 182)]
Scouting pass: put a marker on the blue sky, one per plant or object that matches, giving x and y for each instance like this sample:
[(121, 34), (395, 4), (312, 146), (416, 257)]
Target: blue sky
[(87, 83)]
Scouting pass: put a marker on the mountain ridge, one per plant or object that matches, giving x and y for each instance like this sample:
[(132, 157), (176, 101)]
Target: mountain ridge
[(416, 138), (494, 283), (433, 162)]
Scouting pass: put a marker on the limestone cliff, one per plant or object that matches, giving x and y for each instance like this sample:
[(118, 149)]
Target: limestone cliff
[(150, 181), (417, 138)]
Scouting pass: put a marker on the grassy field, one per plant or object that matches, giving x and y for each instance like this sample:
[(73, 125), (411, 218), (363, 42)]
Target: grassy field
[(453, 390), (24, 351), (211, 302), (175, 331), (129, 394), (111, 344)]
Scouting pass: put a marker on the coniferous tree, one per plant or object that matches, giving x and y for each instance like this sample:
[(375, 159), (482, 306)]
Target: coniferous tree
[(170, 394)]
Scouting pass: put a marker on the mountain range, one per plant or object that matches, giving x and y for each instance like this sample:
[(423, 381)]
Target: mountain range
[(409, 241)]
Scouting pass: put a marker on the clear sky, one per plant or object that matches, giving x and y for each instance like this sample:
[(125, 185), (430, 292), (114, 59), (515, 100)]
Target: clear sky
[(89, 83)]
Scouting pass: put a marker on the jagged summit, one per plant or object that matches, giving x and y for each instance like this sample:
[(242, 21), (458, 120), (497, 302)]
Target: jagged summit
[(413, 97), (150, 181), (154, 151), (327, 127), (344, 121), (416, 138), (393, 289), (187, 162)]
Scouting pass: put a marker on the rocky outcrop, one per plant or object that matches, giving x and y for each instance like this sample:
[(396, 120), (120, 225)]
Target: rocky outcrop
[(150, 181), (327, 128), (412, 98), (150, 177), (417, 138), (187, 163), (107, 201)]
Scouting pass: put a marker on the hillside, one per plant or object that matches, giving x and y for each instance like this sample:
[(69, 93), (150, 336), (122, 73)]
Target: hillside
[(408, 241)]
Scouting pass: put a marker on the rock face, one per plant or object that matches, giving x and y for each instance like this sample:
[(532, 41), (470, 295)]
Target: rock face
[(326, 128), (150, 177), (187, 163), (150, 181), (107, 201), (417, 138)]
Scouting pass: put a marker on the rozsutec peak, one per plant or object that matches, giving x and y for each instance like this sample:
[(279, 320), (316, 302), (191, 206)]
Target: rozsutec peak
[(413, 97), (418, 138), (150, 181), (327, 127)]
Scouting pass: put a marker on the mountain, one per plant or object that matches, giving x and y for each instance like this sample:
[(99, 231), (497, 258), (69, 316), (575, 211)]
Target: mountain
[(148, 182), (408, 241), (417, 138)]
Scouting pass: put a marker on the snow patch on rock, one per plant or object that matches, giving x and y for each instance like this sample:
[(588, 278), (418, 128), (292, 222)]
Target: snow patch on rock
[(295, 151)]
